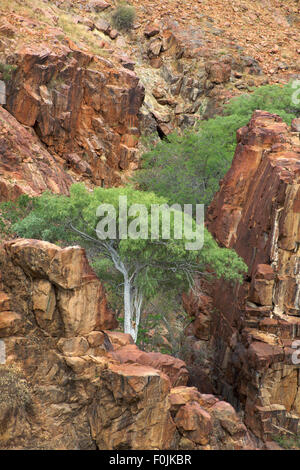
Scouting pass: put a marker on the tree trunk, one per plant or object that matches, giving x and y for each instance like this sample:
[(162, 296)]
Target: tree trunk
[(128, 311), (133, 300)]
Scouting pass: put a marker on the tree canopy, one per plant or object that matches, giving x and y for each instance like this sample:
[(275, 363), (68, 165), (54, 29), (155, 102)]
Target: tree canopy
[(187, 168), (139, 267)]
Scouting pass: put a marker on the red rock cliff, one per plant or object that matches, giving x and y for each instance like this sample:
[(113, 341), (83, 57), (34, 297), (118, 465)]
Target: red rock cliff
[(257, 212)]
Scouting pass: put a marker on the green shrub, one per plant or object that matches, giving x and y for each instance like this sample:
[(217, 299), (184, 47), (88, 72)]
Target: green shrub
[(289, 442), (7, 70), (123, 17), (12, 211), (186, 169)]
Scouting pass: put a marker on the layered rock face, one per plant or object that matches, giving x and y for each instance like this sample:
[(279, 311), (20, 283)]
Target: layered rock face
[(26, 167), (81, 106), (56, 286), (77, 99), (257, 212), (68, 382)]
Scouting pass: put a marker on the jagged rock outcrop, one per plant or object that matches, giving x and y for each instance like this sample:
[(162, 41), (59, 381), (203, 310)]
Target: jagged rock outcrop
[(71, 90), (257, 212), (68, 382), (81, 106), (78, 84), (56, 286), (203, 419), (26, 167), (174, 368)]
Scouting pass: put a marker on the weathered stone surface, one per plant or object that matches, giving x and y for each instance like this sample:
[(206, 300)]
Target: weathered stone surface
[(194, 423), (97, 5), (26, 167), (78, 385), (204, 421), (102, 26), (64, 287), (77, 346), (257, 212), (174, 368), (138, 416), (218, 72), (78, 104), (6, 29), (151, 30), (10, 323), (199, 306), (228, 418)]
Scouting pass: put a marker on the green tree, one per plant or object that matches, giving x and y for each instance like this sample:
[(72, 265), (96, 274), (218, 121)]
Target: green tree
[(187, 168), (140, 266)]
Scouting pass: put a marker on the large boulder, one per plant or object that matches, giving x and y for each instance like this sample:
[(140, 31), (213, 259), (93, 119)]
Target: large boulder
[(26, 167), (67, 298), (204, 421), (174, 368)]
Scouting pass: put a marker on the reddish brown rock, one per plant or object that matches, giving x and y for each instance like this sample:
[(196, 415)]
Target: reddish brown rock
[(194, 423), (174, 368), (137, 417), (10, 323), (66, 294), (7, 29), (78, 104), (103, 26), (257, 212), (113, 34), (97, 5), (199, 306), (228, 418), (78, 386), (261, 354), (151, 30), (218, 72), (26, 167), (77, 346), (204, 421), (154, 47)]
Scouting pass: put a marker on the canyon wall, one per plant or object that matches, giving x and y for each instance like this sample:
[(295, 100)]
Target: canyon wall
[(253, 325), (80, 103), (86, 92), (82, 107)]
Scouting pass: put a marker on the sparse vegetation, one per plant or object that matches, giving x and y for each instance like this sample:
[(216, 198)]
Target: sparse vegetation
[(288, 442), (37, 10), (79, 34), (14, 388), (6, 70), (123, 17)]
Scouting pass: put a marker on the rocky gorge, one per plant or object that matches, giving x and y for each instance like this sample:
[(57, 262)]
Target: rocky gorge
[(78, 101)]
